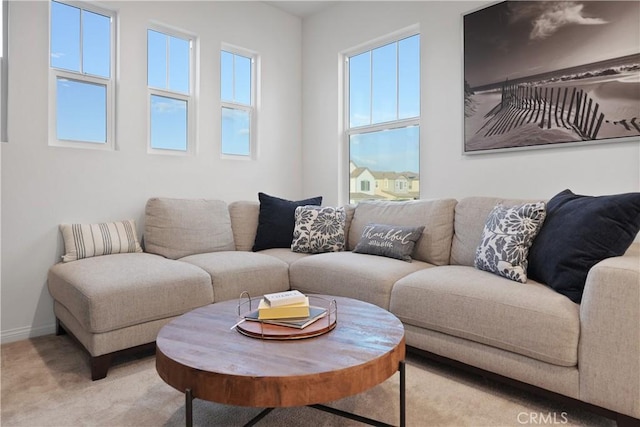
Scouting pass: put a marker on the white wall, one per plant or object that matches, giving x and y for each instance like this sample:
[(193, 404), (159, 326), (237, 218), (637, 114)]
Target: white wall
[(44, 186), (445, 172)]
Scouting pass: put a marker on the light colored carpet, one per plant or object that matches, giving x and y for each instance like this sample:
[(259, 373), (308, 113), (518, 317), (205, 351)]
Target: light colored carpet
[(46, 382)]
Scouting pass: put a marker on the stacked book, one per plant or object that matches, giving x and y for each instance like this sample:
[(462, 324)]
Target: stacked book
[(289, 308)]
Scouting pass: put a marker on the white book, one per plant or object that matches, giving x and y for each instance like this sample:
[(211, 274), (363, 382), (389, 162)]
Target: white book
[(278, 299)]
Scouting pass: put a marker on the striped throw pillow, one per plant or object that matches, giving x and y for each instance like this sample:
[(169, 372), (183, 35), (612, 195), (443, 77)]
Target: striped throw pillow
[(89, 240)]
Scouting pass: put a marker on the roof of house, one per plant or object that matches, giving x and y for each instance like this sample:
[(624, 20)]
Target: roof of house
[(384, 174), (358, 171), (395, 175)]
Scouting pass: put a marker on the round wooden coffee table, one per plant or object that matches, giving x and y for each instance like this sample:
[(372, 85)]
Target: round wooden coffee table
[(199, 355)]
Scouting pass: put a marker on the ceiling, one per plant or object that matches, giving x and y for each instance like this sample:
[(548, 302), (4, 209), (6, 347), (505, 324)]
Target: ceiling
[(302, 9)]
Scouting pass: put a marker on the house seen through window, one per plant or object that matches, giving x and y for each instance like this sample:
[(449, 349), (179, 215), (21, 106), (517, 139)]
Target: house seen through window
[(382, 130), (81, 70)]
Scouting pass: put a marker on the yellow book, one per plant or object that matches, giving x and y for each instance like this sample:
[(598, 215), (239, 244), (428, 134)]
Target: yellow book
[(265, 311)]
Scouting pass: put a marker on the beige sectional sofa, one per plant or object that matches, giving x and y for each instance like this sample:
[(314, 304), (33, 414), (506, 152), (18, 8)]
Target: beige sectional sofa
[(198, 252)]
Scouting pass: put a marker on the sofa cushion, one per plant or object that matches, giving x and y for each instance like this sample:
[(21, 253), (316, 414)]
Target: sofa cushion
[(529, 319), (175, 228), (87, 240), (244, 223), (434, 246), (470, 216), (115, 291), (365, 277), (506, 238), (393, 241), (232, 273), (319, 229), (286, 255), (350, 210), (579, 232), (276, 221)]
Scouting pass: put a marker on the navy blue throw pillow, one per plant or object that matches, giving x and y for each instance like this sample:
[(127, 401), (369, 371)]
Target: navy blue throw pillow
[(579, 232), (277, 220)]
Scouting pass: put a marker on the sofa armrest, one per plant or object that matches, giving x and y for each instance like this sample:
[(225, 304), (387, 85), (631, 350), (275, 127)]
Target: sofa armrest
[(609, 349)]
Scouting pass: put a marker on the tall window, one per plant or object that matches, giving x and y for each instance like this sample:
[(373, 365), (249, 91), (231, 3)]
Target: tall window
[(382, 97), (237, 96), (169, 80), (82, 64)]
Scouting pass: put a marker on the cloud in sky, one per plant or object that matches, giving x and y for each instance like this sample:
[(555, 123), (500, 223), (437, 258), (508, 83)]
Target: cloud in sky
[(168, 106), (555, 15)]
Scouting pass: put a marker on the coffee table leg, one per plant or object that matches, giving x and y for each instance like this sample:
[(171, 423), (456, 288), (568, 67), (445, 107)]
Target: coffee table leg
[(402, 395), (258, 417), (188, 407), (369, 421)]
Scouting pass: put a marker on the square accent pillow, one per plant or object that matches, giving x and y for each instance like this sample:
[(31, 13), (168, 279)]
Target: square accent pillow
[(506, 238), (89, 240), (579, 232), (393, 241), (276, 220), (319, 229)]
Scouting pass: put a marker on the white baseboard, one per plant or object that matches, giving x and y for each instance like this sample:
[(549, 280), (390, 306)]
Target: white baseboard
[(18, 334)]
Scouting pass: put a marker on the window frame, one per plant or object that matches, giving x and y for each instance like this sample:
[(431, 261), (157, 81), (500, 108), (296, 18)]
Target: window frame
[(251, 109), (4, 78), (189, 97), (348, 131), (108, 83)]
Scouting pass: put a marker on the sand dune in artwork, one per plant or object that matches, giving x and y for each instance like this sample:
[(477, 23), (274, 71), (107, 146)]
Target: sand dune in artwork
[(617, 97)]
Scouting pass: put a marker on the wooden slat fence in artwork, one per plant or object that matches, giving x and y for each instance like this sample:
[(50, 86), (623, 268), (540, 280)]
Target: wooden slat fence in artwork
[(564, 107)]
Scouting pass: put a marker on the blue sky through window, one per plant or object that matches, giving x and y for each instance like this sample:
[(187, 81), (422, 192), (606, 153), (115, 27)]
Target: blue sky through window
[(65, 37), (409, 77), (360, 90), (384, 97), (167, 62), (226, 76), (384, 86), (156, 59), (178, 65), (242, 81), (235, 132), (168, 69), (80, 43), (96, 42), (168, 123), (392, 150), (81, 111), (235, 91)]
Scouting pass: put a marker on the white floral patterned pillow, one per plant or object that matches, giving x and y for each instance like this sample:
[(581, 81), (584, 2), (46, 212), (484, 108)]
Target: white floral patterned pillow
[(319, 229), (506, 238)]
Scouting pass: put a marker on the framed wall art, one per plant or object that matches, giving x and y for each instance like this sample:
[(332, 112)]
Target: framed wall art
[(551, 73)]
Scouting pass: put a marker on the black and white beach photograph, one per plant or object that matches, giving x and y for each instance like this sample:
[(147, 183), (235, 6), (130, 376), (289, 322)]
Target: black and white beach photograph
[(548, 73)]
